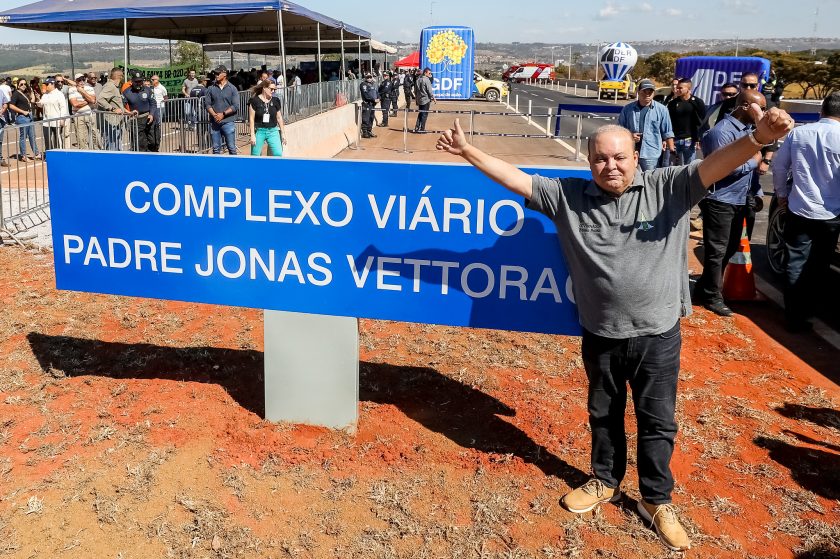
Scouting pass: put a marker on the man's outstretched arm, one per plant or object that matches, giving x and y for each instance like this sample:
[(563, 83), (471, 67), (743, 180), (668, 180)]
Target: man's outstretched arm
[(770, 126), (454, 141)]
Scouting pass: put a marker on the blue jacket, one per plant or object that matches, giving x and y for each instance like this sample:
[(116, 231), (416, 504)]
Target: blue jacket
[(652, 122), (221, 100), (732, 189)]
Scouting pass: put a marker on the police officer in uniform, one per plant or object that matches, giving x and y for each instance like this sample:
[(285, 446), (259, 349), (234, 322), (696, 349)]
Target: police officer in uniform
[(369, 97), (141, 102), (395, 93), (408, 87), (385, 97)]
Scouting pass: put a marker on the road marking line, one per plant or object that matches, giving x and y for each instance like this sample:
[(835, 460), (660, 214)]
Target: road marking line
[(544, 131), (821, 329), (548, 98)]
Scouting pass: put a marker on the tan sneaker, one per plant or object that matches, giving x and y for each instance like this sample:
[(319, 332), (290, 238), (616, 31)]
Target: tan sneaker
[(663, 518), (589, 495)]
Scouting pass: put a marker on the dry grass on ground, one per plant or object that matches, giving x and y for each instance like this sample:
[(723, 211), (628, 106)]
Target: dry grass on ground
[(131, 428)]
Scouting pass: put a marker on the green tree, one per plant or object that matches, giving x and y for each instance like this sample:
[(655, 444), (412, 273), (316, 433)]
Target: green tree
[(191, 55), (661, 65)]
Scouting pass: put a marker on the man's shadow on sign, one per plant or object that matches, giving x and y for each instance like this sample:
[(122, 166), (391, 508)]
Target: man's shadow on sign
[(492, 311)]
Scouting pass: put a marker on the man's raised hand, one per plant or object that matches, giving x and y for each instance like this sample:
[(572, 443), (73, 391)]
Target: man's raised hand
[(453, 140), (770, 125)]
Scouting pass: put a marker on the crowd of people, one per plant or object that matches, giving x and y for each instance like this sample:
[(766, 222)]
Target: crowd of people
[(415, 85), (670, 132), (100, 105), (631, 289)]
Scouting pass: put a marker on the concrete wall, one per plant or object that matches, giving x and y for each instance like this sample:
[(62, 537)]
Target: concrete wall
[(325, 135)]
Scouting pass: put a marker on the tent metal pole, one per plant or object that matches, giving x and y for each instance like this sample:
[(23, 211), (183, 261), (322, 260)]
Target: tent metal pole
[(282, 43), (343, 69), (231, 51), (370, 56), (203, 56), (125, 45), (170, 52), (318, 34), (72, 59), (359, 57)]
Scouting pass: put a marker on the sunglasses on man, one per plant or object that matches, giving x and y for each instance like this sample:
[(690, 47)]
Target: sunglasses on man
[(749, 85), (728, 94)]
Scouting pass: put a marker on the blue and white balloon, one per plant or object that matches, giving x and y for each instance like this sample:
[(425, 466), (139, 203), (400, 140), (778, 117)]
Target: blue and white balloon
[(617, 59)]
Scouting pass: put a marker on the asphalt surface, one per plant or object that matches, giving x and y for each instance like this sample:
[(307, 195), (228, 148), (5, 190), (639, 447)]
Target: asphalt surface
[(542, 99)]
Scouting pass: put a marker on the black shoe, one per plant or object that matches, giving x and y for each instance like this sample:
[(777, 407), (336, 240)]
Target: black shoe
[(719, 307), (383, 125), (366, 135), (371, 135)]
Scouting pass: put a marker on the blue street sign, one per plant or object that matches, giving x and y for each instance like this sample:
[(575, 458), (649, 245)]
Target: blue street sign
[(428, 243)]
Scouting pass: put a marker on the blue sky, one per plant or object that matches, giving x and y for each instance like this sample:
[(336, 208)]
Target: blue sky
[(557, 21)]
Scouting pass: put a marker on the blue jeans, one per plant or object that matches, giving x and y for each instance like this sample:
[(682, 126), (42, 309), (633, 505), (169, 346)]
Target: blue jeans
[(686, 151), (810, 245), (648, 164), (27, 130), (271, 136), (226, 129), (650, 365), (112, 136)]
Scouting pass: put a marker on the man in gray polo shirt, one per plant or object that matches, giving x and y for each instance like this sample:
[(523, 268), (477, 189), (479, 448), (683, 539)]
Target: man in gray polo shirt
[(624, 236)]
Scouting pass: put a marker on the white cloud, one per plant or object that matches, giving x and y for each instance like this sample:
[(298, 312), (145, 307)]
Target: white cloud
[(645, 7), (740, 6), (609, 11), (673, 12)]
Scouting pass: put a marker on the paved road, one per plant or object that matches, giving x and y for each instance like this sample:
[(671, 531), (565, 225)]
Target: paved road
[(543, 99)]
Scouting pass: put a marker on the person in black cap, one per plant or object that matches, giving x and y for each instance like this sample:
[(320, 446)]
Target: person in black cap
[(395, 93), (141, 102), (385, 98), (369, 98), (222, 102)]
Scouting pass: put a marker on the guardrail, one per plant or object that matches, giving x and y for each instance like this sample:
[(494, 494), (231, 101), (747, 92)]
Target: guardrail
[(24, 197)]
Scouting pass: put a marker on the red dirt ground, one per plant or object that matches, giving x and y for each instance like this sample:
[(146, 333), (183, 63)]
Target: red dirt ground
[(132, 428)]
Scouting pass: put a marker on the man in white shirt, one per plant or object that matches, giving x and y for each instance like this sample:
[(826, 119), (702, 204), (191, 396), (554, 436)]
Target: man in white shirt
[(54, 105), (160, 93), (811, 156), (82, 96)]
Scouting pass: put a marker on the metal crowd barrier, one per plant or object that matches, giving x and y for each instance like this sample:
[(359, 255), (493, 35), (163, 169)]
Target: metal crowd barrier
[(24, 197), (185, 126)]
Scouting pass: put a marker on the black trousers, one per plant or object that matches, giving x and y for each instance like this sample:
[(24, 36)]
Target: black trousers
[(811, 244), (650, 365), (367, 117), (422, 116), (385, 103), (148, 135), (722, 227)]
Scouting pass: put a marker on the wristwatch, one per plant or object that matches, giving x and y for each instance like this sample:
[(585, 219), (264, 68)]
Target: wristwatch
[(766, 161)]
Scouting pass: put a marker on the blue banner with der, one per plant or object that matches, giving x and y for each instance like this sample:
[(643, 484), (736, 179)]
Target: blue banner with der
[(429, 243), (449, 52)]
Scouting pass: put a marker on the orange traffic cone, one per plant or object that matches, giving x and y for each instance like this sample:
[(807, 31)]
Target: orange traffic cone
[(738, 280)]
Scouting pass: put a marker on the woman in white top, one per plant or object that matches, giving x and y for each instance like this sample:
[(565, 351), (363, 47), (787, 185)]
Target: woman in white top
[(54, 105)]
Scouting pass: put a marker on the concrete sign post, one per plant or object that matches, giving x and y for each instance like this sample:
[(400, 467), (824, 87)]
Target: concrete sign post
[(336, 239)]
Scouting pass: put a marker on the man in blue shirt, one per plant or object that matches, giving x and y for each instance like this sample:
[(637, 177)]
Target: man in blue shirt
[(725, 207), (222, 103), (650, 124), (811, 155)]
